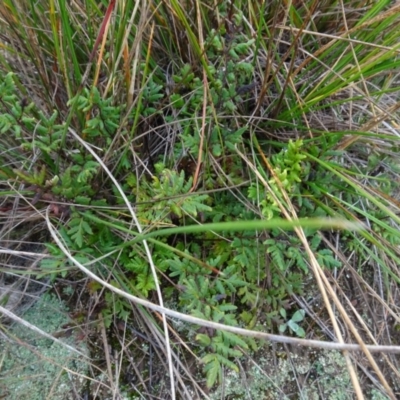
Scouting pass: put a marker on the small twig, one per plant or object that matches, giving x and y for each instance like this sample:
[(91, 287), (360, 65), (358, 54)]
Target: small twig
[(202, 134), (106, 351), (145, 245)]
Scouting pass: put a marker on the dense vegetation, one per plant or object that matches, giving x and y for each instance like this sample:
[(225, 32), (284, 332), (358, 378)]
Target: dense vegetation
[(214, 158)]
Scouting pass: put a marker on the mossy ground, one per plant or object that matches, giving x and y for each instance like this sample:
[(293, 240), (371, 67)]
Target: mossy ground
[(37, 368), (281, 374)]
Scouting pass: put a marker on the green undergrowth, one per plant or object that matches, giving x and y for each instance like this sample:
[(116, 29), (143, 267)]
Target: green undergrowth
[(251, 169), (244, 279)]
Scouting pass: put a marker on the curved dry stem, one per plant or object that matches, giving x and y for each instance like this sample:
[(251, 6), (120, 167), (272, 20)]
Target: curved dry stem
[(147, 250), (214, 325)]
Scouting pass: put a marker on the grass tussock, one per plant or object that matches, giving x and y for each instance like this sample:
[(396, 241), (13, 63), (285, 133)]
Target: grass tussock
[(191, 177)]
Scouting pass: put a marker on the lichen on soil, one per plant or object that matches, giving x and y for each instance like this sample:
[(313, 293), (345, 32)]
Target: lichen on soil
[(34, 367)]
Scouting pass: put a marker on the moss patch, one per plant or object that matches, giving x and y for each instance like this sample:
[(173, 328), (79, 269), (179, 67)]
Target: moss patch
[(34, 367), (311, 376)]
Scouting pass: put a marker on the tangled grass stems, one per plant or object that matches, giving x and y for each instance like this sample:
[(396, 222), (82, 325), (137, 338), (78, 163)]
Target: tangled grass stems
[(149, 132)]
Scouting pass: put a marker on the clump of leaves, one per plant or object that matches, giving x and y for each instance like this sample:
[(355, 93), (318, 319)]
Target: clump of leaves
[(239, 280), (225, 285), (293, 322)]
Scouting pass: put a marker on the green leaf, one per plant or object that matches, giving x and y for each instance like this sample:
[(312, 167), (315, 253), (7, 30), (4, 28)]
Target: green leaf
[(293, 326), (216, 150), (234, 340), (145, 283), (300, 332), (82, 200), (177, 100), (212, 368), (227, 307), (78, 229), (298, 316), (203, 339)]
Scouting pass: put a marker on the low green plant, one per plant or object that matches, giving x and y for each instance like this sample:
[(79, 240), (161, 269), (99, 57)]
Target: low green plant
[(293, 322), (261, 156), (228, 290)]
